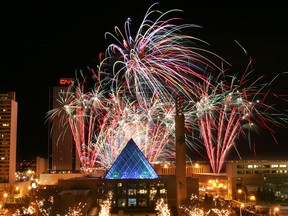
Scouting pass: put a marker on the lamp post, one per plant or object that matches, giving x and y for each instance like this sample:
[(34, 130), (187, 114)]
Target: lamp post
[(240, 192)]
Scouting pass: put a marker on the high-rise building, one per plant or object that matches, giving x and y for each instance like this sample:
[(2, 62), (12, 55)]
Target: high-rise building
[(61, 147), (8, 136)]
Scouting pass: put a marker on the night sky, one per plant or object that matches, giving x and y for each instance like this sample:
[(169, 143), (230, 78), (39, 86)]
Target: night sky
[(43, 41)]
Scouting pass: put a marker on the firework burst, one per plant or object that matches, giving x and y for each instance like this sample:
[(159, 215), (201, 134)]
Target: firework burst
[(226, 108), (134, 99), (136, 84), (161, 59)]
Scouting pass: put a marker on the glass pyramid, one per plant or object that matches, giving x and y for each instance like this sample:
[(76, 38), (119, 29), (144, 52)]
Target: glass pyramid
[(131, 164)]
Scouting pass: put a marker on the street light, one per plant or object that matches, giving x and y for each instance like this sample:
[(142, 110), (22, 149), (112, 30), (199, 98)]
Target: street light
[(241, 206), (5, 195), (241, 191), (276, 210)]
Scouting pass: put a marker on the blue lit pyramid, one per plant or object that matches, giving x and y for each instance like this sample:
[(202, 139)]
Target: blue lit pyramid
[(131, 164)]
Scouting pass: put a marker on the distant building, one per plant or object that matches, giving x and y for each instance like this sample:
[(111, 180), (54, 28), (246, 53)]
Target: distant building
[(8, 136), (41, 165), (250, 176), (61, 147)]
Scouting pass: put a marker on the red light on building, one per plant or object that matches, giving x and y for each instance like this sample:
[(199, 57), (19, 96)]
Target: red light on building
[(65, 81)]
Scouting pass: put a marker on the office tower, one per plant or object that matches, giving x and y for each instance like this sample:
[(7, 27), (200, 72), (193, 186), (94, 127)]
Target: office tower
[(61, 148), (8, 136)]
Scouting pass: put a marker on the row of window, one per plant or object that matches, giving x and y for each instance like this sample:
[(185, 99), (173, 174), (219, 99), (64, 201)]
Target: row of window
[(130, 194), (261, 171), (257, 166), (7, 109)]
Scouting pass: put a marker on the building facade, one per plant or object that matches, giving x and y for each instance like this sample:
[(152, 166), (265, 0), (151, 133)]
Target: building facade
[(130, 196), (249, 176), (61, 148), (132, 183), (8, 136)]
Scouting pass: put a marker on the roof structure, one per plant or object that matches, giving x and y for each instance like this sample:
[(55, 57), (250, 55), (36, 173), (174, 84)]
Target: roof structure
[(131, 164)]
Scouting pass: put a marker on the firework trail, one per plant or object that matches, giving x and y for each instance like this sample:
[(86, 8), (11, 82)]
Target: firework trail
[(227, 108), (134, 91), (80, 111), (136, 84), (160, 59), (101, 126)]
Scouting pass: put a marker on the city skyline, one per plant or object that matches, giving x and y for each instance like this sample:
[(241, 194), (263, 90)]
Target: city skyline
[(42, 49)]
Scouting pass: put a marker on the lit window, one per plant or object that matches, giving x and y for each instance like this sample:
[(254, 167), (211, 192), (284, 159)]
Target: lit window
[(121, 202), (142, 202), (143, 191), (131, 191), (132, 202)]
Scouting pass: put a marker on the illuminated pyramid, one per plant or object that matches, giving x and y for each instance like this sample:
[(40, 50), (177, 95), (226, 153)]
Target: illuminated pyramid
[(131, 164)]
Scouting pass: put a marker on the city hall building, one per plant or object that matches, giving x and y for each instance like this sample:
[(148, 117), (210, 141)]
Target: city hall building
[(133, 183)]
